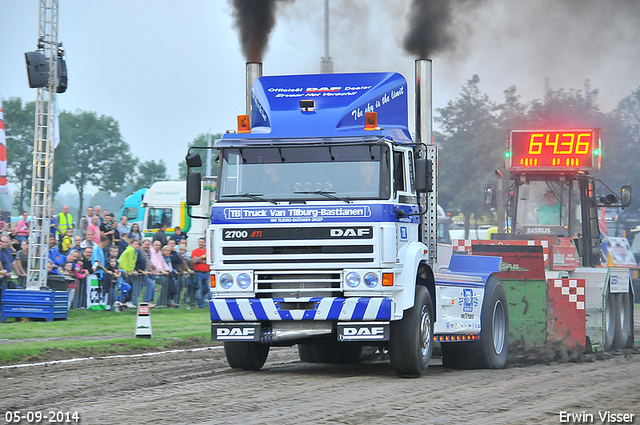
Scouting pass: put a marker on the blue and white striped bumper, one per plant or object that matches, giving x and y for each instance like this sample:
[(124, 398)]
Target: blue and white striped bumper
[(330, 308)]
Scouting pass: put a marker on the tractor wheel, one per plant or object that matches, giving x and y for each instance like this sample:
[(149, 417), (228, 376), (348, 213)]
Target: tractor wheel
[(411, 342)]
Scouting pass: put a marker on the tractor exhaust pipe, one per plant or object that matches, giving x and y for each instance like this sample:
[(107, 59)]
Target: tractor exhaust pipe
[(254, 71), (424, 105)]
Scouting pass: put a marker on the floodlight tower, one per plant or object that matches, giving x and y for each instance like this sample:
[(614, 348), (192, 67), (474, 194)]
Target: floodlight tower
[(42, 183)]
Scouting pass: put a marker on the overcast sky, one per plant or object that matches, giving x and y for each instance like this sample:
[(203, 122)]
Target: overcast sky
[(168, 70)]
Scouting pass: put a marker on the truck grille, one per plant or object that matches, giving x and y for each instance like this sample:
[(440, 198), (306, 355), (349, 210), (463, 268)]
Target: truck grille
[(339, 246), (288, 254), (287, 284)]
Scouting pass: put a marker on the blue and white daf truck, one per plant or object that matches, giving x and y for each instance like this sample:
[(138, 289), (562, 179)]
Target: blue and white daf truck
[(323, 232)]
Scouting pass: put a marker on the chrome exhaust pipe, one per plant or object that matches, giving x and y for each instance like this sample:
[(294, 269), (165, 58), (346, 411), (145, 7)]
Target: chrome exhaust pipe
[(424, 103), (254, 71)]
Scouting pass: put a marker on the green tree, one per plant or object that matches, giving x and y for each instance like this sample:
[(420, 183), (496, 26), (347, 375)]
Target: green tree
[(471, 147), (148, 172), (621, 144), (19, 127), (99, 154), (19, 123), (201, 141)]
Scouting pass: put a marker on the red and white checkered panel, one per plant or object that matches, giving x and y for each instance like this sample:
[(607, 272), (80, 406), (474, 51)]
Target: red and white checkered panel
[(573, 290), (467, 244)]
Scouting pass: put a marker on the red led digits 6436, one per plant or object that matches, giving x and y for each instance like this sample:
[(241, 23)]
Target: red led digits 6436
[(554, 150)]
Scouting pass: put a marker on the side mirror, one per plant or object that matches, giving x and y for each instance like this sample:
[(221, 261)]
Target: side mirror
[(490, 195), (193, 188), (193, 160), (625, 196), (424, 171)]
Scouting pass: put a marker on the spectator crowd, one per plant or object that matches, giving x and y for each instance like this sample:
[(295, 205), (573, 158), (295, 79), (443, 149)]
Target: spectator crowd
[(128, 266)]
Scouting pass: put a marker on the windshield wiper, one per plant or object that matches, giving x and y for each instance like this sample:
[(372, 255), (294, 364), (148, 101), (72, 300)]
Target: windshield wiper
[(254, 196), (324, 193)]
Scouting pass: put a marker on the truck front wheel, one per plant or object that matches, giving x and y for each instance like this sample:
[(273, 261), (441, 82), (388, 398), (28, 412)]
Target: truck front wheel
[(246, 355), (411, 342)]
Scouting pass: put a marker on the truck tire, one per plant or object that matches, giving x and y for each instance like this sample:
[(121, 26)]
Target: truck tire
[(490, 352), (332, 353), (609, 319), (246, 355), (622, 337), (494, 334), (411, 342)]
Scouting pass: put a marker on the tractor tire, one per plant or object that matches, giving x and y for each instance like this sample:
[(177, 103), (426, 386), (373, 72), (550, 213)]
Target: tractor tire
[(490, 352), (622, 338), (246, 355), (411, 342), (609, 319), (332, 353)]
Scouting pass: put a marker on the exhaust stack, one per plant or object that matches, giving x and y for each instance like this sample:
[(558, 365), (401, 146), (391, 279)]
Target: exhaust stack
[(424, 106), (254, 71), (425, 149)]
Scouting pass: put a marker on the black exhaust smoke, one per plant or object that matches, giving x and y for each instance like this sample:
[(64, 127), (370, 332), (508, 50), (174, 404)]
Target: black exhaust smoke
[(254, 20), (431, 26)]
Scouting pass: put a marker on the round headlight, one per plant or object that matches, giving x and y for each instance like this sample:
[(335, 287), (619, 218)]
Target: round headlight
[(371, 280), (243, 280), (226, 281), (353, 279)]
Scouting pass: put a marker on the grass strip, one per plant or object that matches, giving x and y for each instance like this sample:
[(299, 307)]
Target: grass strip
[(88, 333)]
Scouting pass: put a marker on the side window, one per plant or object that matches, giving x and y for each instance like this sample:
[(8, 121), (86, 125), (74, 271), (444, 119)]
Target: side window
[(131, 213), (398, 172), (158, 216)]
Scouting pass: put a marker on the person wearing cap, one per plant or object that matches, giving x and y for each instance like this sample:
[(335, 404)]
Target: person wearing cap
[(551, 212)]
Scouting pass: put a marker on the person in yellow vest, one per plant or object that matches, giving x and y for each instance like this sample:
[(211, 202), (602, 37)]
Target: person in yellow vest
[(64, 221)]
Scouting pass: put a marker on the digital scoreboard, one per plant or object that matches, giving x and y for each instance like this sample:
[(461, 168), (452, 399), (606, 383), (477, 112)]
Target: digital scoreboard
[(554, 150)]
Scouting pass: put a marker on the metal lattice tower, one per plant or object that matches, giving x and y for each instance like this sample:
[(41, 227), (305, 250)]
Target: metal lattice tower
[(42, 185)]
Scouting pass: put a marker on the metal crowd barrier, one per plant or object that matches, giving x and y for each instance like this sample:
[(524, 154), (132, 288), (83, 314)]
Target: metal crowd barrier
[(185, 291)]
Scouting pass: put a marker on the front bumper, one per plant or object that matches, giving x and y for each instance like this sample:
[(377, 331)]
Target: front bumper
[(277, 309)]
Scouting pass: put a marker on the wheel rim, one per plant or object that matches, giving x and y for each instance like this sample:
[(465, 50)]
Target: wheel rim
[(499, 327), (425, 332)]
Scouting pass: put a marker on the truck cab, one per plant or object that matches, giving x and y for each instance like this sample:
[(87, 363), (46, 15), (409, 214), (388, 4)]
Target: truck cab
[(323, 233)]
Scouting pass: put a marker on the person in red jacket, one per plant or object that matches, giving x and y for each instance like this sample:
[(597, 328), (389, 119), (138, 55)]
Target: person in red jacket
[(199, 262)]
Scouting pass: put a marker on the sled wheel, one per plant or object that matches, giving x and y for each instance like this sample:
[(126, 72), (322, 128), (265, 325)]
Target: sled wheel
[(622, 337), (246, 355), (609, 320), (411, 343)]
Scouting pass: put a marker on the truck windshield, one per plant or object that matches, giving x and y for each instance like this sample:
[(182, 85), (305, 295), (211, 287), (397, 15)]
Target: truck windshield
[(551, 207), (305, 173)]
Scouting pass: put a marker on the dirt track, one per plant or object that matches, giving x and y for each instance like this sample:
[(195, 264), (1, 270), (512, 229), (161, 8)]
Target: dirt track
[(198, 387)]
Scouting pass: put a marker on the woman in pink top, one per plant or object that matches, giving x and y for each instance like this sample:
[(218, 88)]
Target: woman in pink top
[(156, 258), (95, 228), (22, 228)]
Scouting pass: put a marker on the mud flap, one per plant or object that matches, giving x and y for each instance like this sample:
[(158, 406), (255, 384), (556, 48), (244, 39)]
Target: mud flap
[(235, 331)]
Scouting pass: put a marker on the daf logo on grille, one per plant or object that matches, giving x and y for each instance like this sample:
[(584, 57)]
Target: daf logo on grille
[(342, 233)]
